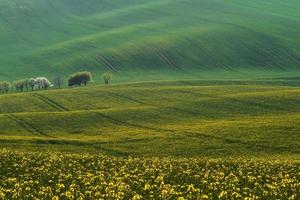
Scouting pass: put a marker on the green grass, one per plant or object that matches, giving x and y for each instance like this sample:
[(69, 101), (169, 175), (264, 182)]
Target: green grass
[(182, 118), (147, 40)]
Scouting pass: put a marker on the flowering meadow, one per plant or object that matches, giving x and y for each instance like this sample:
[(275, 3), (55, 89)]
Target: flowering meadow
[(72, 176)]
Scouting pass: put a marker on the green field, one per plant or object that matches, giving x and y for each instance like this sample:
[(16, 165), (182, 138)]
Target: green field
[(204, 101), (183, 118), (153, 140), (145, 40)]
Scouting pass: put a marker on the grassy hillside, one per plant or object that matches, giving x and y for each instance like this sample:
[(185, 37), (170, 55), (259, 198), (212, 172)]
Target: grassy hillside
[(140, 39), (157, 118)]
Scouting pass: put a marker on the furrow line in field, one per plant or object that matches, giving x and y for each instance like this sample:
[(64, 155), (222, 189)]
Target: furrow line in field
[(102, 59), (120, 122), (27, 126), (51, 102), (164, 58)]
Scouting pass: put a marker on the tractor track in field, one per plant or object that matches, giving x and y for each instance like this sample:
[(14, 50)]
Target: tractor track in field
[(125, 97), (27, 126), (50, 102), (164, 58), (176, 109), (190, 134), (120, 122), (101, 58)]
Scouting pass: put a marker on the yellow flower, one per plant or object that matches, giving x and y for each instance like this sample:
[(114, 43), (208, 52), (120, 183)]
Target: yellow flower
[(223, 194), (55, 198), (147, 186), (2, 195), (137, 197)]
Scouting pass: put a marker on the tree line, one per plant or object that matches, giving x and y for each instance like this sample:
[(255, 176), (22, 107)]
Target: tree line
[(42, 83)]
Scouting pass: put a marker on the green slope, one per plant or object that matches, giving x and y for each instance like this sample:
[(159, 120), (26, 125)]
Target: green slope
[(142, 40), (160, 118)]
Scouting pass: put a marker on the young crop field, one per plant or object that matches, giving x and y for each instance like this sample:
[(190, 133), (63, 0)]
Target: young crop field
[(187, 118)]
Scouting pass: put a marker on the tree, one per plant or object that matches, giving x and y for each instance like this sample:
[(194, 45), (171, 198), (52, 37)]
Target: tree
[(107, 76), (79, 78), (26, 84), (32, 83), (42, 83), (85, 77), (58, 81), (20, 85), (5, 86)]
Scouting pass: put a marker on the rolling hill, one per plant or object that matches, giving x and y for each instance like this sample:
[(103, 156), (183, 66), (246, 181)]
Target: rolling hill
[(204, 102), (183, 118), (143, 40)]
